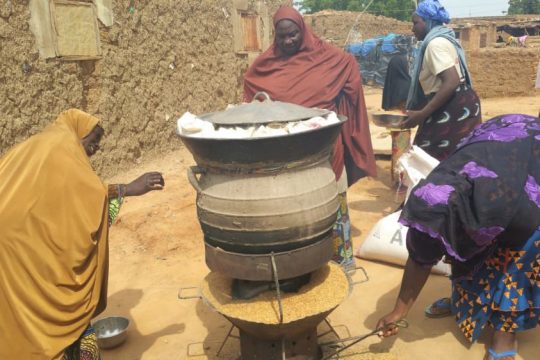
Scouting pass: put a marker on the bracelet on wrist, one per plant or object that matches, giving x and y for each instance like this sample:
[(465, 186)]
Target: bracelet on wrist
[(121, 191)]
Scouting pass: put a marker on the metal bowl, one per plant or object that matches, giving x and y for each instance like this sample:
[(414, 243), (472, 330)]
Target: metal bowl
[(388, 120), (111, 331)]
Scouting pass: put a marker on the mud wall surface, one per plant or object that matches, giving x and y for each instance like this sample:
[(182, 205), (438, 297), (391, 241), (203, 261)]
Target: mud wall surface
[(334, 26), (504, 72), (165, 58)]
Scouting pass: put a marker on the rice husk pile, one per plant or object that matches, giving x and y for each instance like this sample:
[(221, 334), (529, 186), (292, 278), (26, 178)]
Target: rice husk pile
[(327, 288)]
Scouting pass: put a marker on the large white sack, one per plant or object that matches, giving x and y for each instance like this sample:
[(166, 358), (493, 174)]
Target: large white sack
[(415, 165), (387, 243)]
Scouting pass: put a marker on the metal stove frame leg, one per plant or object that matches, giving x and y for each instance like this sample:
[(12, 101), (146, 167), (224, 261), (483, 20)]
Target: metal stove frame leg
[(278, 290), (331, 331), (225, 340)]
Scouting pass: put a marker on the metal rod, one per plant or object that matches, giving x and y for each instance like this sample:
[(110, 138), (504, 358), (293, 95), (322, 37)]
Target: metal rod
[(324, 333), (225, 340), (276, 280), (400, 323), (348, 332), (339, 341), (351, 344), (333, 330), (182, 290), (366, 277), (283, 354), (188, 349), (331, 327)]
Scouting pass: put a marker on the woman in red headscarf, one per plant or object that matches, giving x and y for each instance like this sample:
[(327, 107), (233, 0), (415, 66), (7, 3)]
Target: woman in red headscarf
[(300, 68)]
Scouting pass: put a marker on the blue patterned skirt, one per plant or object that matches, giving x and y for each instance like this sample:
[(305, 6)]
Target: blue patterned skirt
[(504, 293)]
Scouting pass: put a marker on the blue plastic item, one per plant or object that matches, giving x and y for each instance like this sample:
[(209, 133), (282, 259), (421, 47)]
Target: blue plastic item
[(369, 45), (388, 46), (355, 49)]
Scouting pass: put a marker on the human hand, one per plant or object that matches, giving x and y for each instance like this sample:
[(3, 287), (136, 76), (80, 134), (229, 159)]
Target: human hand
[(414, 119), (387, 324), (147, 182)]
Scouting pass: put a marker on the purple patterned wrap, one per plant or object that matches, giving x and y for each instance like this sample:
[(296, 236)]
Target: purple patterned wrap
[(434, 194), (513, 131), (517, 118), (426, 230), (474, 171), (484, 236), (513, 127), (533, 190), (533, 126)]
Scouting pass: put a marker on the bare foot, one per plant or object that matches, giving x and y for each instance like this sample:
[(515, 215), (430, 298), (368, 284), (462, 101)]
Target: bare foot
[(502, 342)]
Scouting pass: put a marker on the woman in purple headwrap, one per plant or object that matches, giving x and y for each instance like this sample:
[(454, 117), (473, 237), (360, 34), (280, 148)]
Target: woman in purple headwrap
[(480, 209), (441, 101)]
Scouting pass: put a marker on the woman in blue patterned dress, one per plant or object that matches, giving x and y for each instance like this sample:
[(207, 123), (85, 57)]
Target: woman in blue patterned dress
[(480, 209)]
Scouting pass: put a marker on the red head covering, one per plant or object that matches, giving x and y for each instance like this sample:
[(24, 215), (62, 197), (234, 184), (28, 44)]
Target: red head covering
[(289, 13), (318, 75)]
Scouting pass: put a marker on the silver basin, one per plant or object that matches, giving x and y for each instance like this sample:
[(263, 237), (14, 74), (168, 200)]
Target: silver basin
[(111, 331), (388, 120)]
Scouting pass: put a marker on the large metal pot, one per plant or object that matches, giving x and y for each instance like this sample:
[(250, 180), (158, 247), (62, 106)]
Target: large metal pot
[(270, 195), (262, 213)]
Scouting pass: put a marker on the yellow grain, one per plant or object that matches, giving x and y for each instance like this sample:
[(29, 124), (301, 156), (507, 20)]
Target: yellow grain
[(371, 356), (328, 287)]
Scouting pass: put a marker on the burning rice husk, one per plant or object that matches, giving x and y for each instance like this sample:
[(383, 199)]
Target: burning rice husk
[(328, 287)]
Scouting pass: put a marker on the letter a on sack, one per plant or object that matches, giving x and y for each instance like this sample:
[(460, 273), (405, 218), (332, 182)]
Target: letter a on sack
[(397, 238)]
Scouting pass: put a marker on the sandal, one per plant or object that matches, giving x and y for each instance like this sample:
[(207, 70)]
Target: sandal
[(444, 304), (494, 355)]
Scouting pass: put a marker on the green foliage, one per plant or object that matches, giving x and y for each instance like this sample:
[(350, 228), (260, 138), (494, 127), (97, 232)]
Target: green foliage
[(524, 7), (398, 9)]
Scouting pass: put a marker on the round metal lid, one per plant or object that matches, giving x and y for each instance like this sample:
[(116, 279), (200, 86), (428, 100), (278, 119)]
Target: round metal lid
[(262, 112)]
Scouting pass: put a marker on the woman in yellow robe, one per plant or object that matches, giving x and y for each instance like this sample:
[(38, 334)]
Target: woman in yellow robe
[(54, 238)]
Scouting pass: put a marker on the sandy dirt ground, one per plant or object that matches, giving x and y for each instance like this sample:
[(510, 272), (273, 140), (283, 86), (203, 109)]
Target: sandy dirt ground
[(156, 248)]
